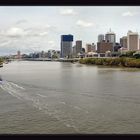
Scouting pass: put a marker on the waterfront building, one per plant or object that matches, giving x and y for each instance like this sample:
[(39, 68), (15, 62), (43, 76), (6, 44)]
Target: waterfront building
[(78, 46), (18, 55), (132, 41), (117, 47), (100, 37), (139, 44), (24, 56), (45, 54), (34, 55), (92, 54), (83, 50), (90, 47), (123, 41), (123, 50), (108, 54), (51, 53), (103, 46), (93, 47), (110, 37), (74, 50), (58, 53), (41, 54), (66, 45)]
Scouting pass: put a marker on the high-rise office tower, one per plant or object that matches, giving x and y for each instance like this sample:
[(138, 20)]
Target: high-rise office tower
[(110, 37), (139, 44), (123, 41), (132, 41), (66, 45), (78, 46), (100, 37), (18, 55), (74, 50)]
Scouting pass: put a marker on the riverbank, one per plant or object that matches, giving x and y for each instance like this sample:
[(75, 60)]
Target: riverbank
[(125, 62)]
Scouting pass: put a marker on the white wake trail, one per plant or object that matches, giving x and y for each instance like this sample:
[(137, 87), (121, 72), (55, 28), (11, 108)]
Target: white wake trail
[(36, 100), (16, 85)]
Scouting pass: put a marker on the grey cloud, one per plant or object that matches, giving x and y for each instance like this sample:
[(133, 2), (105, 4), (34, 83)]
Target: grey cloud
[(2, 44), (21, 21), (18, 32)]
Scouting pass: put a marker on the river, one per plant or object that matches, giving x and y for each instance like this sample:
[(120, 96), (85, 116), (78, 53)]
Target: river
[(68, 98)]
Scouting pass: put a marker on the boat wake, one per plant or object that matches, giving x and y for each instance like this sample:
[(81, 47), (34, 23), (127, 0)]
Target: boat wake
[(11, 88), (38, 101)]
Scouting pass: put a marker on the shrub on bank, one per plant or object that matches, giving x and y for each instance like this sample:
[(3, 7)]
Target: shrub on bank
[(126, 62), (128, 54), (99, 61), (136, 55), (110, 61), (133, 63), (1, 60)]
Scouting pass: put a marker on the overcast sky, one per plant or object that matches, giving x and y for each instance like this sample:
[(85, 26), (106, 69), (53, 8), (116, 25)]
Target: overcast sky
[(30, 28)]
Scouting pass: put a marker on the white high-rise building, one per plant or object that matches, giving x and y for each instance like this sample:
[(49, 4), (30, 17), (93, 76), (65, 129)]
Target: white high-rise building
[(132, 41)]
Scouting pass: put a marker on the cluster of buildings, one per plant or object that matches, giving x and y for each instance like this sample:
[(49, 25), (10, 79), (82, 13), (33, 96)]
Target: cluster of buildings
[(105, 47), (68, 50), (131, 41), (49, 54)]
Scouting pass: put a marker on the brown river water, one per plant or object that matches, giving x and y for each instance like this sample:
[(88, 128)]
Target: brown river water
[(66, 98)]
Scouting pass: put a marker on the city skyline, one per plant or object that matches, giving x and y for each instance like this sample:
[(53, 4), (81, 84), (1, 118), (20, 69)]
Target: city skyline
[(39, 28)]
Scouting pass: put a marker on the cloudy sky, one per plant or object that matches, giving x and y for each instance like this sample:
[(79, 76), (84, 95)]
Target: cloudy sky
[(30, 28)]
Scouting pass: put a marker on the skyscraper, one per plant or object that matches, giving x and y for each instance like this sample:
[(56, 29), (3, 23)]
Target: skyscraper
[(132, 41), (74, 50), (100, 37), (78, 46), (18, 55), (110, 37), (123, 41), (66, 45)]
